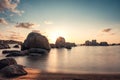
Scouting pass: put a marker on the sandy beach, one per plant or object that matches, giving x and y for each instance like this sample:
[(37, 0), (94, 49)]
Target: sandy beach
[(35, 74)]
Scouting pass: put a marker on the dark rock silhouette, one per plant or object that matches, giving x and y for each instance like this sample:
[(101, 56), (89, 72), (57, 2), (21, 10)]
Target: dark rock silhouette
[(60, 42), (4, 46), (35, 40), (10, 42), (52, 45), (103, 44), (7, 62), (16, 46), (15, 54), (95, 43), (13, 71), (10, 68), (10, 51)]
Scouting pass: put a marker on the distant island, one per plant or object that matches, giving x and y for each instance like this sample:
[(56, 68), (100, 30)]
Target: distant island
[(95, 43)]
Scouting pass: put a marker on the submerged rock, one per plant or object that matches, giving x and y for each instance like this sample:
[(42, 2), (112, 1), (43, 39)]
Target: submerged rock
[(35, 40), (7, 62), (13, 70)]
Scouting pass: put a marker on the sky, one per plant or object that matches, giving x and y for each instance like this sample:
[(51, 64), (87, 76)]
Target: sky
[(75, 20)]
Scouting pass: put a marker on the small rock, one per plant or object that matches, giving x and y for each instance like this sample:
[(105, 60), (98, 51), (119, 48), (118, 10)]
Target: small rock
[(16, 46)]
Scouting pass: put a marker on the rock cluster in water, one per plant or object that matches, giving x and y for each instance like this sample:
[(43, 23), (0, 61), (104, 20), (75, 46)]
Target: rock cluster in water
[(61, 43), (10, 68), (34, 45)]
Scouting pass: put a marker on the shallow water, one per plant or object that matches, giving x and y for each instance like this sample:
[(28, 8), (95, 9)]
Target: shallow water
[(79, 59)]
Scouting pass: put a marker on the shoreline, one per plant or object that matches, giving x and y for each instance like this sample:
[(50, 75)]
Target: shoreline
[(36, 74)]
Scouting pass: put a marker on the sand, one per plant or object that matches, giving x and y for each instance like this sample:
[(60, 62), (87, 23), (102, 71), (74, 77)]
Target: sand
[(35, 74)]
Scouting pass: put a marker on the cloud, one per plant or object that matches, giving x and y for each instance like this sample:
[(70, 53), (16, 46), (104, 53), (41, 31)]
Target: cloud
[(107, 30), (48, 22), (3, 21), (10, 5), (26, 25)]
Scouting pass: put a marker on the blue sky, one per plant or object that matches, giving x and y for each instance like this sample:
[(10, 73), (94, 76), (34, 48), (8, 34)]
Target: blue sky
[(76, 20)]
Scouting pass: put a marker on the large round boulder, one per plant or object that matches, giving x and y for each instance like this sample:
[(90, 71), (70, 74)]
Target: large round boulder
[(35, 40), (60, 42)]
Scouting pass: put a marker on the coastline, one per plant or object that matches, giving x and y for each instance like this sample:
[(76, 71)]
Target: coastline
[(36, 74)]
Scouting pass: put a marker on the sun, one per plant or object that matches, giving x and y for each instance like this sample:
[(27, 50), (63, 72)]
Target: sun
[(54, 35)]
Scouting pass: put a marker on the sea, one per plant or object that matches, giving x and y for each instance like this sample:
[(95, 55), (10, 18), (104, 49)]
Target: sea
[(80, 59)]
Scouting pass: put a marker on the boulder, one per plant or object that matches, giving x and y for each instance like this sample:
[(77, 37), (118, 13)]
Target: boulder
[(35, 40), (16, 46), (60, 42), (13, 71), (7, 62)]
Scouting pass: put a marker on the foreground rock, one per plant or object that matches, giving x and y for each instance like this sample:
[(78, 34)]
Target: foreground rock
[(10, 68), (35, 40), (13, 70), (7, 62)]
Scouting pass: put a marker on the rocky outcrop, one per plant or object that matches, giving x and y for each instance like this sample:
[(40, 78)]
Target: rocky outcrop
[(10, 42), (35, 40), (10, 51), (10, 68), (7, 62), (60, 42), (4, 46), (52, 45), (13, 70)]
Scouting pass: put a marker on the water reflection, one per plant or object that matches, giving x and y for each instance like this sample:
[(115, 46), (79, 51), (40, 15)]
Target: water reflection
[(76, 60)]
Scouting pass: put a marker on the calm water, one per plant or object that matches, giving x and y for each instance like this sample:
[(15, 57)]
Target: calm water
[(77, 60)]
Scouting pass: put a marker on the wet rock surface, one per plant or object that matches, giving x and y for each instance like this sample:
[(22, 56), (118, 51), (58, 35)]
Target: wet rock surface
[(7, 62), (10, 68), (13, 70)]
